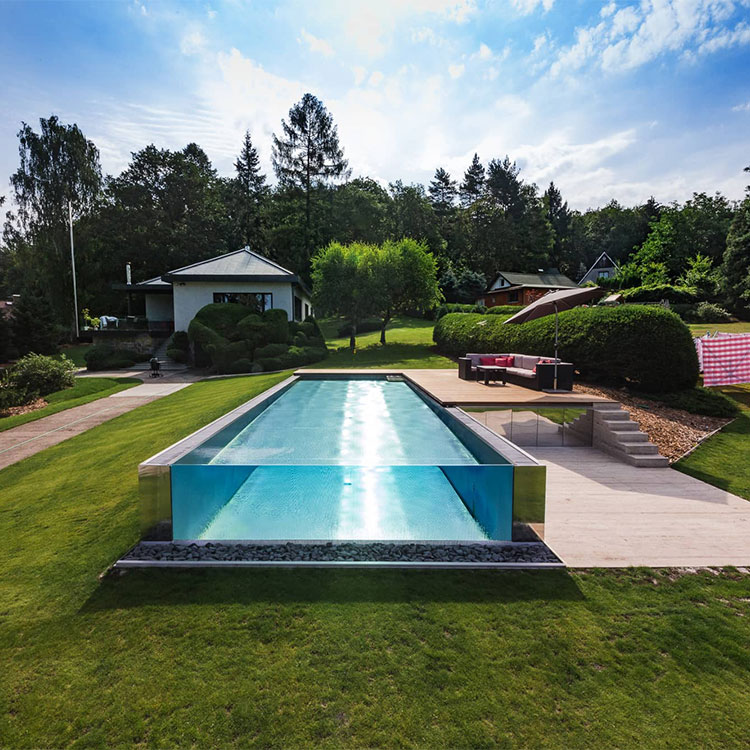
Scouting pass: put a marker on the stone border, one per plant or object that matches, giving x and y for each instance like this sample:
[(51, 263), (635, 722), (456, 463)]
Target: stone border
[(404, 554)]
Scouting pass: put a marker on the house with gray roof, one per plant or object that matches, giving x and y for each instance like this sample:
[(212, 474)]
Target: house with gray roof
[(510, 288), (603, 268), (243, 276)]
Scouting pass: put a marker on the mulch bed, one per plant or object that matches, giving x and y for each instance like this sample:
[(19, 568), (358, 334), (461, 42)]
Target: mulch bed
[(12, 411), (673, 431)]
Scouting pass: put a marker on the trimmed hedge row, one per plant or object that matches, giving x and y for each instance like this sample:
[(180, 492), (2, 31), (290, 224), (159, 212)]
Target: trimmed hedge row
[(456, 307), (656, 293), (649, 348)]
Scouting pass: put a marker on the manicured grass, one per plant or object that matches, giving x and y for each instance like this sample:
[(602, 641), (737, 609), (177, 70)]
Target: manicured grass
[(699, 329), (409, 345), (724, 459), (321, 658), (84, 391)]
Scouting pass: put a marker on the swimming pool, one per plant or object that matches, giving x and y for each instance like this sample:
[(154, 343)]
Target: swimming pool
[(336, 459)]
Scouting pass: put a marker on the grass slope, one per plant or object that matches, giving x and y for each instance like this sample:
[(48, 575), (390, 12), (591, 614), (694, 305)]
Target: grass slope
[(699, 329), (84, 391), (409, 345), (724, 459), (288, 658)]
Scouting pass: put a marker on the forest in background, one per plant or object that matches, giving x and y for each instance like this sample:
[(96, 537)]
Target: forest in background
[(170, 208)]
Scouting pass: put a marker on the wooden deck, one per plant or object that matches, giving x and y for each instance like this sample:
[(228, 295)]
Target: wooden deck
[(449, 390)]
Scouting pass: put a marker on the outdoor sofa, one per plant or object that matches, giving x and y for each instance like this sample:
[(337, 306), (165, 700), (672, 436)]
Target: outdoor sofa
[(526, 370)]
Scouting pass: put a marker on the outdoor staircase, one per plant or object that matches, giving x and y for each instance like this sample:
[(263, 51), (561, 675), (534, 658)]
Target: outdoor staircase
[(615, 433)]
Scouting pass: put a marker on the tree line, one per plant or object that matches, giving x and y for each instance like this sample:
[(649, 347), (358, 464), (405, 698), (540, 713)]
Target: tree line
[(169, 208)]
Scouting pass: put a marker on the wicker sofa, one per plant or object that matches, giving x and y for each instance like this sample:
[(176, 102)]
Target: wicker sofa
[(526, 371)]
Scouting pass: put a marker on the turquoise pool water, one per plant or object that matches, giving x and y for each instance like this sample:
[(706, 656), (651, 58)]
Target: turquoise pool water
[(340, 459), (347, 423)]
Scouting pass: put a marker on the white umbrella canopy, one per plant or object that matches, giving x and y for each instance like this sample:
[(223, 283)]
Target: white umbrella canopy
[(553, 302)]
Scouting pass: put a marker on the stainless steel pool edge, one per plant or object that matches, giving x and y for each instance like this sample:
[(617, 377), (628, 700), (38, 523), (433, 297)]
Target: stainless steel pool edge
[(121, 564)]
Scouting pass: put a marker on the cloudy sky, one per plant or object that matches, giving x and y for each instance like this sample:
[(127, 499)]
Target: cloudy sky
[(621, 99)]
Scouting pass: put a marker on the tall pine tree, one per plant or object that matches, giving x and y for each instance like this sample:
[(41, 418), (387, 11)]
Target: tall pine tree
[(308, 154), (473, 182), (735, 270), (442, 193), (250, 191), (559, 216)]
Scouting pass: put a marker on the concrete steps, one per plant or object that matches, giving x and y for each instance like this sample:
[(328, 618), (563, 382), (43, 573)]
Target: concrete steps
[(615, 433)]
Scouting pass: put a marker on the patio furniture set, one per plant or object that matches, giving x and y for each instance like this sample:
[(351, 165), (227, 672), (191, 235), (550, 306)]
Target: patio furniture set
[(520, 369)]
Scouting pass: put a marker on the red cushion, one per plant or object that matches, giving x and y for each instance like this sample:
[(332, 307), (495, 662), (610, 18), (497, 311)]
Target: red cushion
[(487, 360), (505, 361)]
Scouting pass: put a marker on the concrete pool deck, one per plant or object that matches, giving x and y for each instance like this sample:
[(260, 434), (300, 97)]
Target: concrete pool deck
[(603, 513)]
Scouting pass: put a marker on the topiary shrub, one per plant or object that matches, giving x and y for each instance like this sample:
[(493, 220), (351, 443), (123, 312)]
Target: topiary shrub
[(239, 366), (39, 375), (271, 350), (180, 340), (223, 317), (648, 348), (276, 328), (178, 355), (270, 364), (103, 357)]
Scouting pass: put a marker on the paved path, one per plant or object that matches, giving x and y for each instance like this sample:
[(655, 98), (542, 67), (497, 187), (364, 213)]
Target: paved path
[(30, 438), (604, 513)]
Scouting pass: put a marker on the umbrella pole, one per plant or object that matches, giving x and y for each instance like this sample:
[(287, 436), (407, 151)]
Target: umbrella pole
[(554, 385)]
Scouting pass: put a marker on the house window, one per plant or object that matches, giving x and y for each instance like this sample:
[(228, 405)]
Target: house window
[(261, 301), (307, 311), (512, 297), (297, 308), (603, 275)]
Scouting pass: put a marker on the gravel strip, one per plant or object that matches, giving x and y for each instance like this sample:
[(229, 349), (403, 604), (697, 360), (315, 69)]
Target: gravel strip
[(519, 552), (13, 411), (673, 431)]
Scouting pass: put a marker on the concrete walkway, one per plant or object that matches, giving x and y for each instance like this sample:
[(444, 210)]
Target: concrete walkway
[(30, 438), (604, 513)]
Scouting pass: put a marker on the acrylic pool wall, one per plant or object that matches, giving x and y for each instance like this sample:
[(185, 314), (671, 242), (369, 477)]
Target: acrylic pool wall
[(185, 494)]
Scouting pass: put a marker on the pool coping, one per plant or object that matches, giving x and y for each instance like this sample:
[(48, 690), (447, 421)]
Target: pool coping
[(125, 564)]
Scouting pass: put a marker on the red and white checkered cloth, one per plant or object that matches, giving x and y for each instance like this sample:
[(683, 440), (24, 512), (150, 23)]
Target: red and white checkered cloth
[(726, 359)]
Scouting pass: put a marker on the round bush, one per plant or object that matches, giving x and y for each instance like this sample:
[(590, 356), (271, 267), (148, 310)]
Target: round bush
[(270, 350), (223, 317), (270, 364), (39, 374), (240, 365), (276, 328), (649, 348), (178, 355), (180, 340)]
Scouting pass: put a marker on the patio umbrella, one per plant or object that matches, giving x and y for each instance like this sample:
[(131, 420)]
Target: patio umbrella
[(553, 302)]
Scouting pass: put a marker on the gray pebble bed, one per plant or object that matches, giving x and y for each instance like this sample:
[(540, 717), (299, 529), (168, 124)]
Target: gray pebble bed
[(347, 552)]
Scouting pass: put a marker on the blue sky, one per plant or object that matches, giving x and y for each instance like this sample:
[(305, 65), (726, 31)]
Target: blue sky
[(613, 99)]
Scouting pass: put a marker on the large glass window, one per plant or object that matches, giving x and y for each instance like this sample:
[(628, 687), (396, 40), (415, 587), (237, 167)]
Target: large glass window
[(261, 301), (297, 308)]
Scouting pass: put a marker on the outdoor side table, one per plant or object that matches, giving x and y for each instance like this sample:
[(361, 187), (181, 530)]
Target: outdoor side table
[(492, 371)]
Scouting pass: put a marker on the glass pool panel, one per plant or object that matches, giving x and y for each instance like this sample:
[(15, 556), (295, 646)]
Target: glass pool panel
[(342, 459)]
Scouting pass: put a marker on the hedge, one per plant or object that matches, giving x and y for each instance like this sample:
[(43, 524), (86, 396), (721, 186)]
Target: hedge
[(455, 307), (103, 357), (504, 309), (657, 293), (649, 348)]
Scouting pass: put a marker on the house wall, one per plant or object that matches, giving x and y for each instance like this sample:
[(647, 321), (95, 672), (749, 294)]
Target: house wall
[(190, 296), (159, 307), (593, 274)]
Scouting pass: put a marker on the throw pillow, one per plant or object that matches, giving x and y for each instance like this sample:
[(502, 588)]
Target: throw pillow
[(487, 360)]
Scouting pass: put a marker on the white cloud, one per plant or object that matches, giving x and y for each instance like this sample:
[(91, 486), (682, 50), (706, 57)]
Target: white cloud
[(359, 74), (211, 14), (526, 7), (485, 53), (315, 44), (636, 34), (376, 78), (742, 107), (456, 71), (192, 43)]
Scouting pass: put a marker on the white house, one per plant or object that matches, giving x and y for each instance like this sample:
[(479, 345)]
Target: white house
[(172, 300)]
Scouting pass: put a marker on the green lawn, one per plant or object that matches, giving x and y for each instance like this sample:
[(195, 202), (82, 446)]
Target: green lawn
[(84, 391), (724, 459), (321, 658), (698, 329), (409, 345)]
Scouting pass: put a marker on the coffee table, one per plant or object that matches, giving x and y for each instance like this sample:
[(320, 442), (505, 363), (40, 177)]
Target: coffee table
[(492, 371)]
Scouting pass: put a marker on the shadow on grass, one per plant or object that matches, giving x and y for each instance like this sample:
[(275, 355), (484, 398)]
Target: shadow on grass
[(158, 587)]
